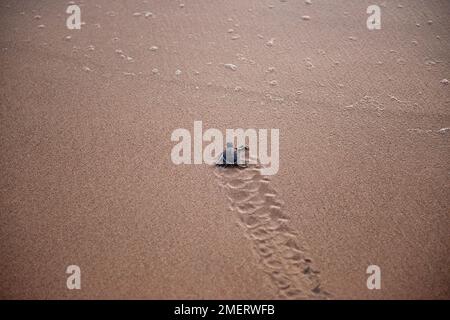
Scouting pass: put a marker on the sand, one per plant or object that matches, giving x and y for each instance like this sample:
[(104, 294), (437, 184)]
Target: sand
[(87, 178)]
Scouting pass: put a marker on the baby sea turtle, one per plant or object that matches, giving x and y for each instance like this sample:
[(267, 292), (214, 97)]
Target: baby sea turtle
[(232, 156)]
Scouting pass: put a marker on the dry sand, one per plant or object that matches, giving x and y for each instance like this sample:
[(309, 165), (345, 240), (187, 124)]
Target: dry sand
[(87, 178)]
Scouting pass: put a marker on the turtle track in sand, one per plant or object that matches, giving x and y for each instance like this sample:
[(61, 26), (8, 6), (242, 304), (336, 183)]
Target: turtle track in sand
[(259, 211)]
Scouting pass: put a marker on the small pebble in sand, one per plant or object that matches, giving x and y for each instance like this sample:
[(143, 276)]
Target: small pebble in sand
[(235, 37), (237, 88), (155, 71), (414, 42), (273, 83), (443, 130), (68, 38), (153, 48), (137, 14), (178, 72), (270, 43), (444, 81), (308, 63), (230, 30), (270, 69), (37, 17), (181, 5), (306, 18), (230, 66), (308, 2), (41, 26), (352, 38), (91, 48), (148, 14), (430, 22), (87, 69)]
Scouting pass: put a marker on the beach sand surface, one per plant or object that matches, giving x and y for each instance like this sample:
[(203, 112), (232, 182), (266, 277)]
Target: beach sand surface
[(87, 179)]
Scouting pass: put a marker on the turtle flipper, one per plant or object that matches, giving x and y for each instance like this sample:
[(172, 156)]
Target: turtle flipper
[(221, 160), (243, 147)]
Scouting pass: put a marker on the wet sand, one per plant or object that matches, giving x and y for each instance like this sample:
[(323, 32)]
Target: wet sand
[(87, 179)]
